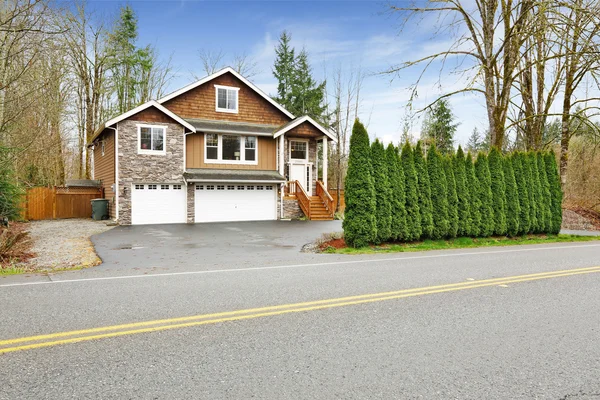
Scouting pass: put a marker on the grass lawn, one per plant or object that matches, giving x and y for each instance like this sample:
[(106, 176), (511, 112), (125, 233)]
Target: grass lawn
[(458, 243)]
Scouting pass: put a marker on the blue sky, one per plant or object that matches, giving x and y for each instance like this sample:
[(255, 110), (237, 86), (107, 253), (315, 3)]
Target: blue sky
[(335, 33)]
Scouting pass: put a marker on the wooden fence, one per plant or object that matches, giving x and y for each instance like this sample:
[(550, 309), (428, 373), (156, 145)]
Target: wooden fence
[(334, 194), (60, 202)]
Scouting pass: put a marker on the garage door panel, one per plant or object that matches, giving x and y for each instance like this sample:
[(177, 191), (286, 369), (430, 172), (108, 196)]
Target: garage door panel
[(158, 204), (238, 202)]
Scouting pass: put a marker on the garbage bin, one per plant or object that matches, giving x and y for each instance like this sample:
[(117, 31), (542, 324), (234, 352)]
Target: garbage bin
[(99, 209)]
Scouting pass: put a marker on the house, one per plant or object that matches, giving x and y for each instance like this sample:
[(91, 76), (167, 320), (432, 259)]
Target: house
[(218, 149)]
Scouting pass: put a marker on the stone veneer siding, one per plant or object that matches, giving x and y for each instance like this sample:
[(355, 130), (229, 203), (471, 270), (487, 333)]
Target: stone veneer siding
[(291, 209), (191, 204), (147, 168)]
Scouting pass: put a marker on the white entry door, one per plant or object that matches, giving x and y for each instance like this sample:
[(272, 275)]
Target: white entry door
[(221, 202), (158, 204), (301, 173)]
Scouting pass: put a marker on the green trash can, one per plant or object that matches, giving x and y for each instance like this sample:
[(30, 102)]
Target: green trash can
[(99, 209)]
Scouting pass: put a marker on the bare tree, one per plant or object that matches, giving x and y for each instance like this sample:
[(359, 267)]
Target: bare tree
[(211, 60)]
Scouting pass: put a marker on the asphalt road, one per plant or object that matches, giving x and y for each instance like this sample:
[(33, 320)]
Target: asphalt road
[(325, 327)]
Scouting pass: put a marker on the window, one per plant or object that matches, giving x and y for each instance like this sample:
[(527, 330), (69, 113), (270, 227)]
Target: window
[(210, 187), (199, 187), (260, 187), (212, 146), (227, 99), (230, 149), (151, 139), (139, 187), (250, 187), (152, 187), (220, 187), (230, 187), (298, 150), (269, 187), (241, 187), (164, 187), (176, 187)]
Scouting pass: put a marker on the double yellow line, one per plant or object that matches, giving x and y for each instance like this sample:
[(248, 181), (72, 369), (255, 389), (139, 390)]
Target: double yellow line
[(53, 339)]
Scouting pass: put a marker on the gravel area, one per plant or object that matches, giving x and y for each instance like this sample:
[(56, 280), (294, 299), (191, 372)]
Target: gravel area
[(64, 243)]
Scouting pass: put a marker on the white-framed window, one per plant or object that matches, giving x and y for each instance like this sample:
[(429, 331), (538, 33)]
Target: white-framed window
[(210, 187), (298, 150), (176, 187), (139, 187), (164, 187), (152, 187), (260, 187), (199, 187), (230, 149), (226, 99), (220, 187), (151, 139), (230, 187), (269, 187), (250, 187), (241, 187)]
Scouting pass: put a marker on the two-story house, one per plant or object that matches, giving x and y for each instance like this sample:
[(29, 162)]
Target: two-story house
[(218, 149)]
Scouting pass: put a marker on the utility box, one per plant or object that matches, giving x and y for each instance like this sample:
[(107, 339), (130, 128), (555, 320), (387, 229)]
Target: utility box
[(99, 209)]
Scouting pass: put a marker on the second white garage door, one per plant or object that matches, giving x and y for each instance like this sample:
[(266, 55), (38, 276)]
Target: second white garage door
[(218, 202)]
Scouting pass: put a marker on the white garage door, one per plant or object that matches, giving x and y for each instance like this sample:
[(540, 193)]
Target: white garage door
[(218, 202), (158, 204)]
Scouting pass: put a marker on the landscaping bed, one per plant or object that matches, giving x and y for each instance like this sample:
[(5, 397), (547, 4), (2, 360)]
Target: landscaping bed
[(337, 245)]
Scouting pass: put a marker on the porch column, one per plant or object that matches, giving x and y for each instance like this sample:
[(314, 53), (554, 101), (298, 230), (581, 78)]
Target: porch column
[(281, 158), (325, 162)]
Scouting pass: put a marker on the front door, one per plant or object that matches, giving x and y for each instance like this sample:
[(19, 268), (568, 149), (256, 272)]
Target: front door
[(300, 173)]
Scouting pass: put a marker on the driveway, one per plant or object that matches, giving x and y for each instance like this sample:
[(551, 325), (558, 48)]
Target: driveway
[(206, 246)]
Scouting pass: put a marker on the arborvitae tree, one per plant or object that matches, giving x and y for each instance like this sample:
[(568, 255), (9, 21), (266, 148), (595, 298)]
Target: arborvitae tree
[(463, 196), (498, 191), (531, 191), (482, 172), (383, 193), (359, 219), (398, 200), (556, 194), (439, 197), (452, 197), (523, 193), (537, 193), (513, 208), (413, 213), (424, 192), (546, 195), (475, 201)]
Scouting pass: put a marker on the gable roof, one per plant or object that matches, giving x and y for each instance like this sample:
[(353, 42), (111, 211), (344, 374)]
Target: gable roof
[(142, 107), (219, 73), (300, 120)]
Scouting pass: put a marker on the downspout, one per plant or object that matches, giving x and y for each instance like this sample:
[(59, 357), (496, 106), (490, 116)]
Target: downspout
[(116, 170)]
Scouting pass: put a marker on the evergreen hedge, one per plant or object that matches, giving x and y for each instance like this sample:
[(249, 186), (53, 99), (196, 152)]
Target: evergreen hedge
[(556, 194), (475, 200), (528, 169), (482, 171), (359, 216), (523, 193), (383, 193), (513, 208), (463, 195), (424, 191), (399, 228), (452, 197), (546, 195), (537, 193), (439, 194), (498, 187), (413, 213)]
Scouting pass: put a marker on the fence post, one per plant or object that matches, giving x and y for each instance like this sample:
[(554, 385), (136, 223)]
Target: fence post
[(54, 203)]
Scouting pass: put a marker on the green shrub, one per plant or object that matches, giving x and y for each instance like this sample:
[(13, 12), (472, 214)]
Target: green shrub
[(513, 208), (383, 193), (546, 195), (556, 194), (532, 188), (398, 198), (10, 192), (413, 213), (523, 193), (474, 193), (537, 193), (439, 194), (463, 195), (498, 191), (482, 172), (452, 197), (425, 207), (359, 215)]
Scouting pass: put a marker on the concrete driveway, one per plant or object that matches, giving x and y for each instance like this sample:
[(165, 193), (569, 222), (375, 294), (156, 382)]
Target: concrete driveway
[(208, 246)]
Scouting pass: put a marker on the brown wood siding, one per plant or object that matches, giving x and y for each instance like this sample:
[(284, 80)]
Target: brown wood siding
[(267, 153), (200, 102), (151, 114), (305, 130), (104, 167)]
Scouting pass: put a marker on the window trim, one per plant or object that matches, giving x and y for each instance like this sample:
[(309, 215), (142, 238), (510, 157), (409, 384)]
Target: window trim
[(139, 141), (220, 160), (237, 99), (298, 160)]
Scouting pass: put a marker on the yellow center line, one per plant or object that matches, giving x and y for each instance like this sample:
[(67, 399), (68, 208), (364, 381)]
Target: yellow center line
[(214, 318)]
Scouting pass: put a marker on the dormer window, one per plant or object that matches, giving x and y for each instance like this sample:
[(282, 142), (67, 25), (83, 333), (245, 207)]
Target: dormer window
[(227, 99)]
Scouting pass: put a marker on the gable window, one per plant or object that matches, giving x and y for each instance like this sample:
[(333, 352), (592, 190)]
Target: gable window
[(227, 99), (298, 150), (230, 149), (151, 139)]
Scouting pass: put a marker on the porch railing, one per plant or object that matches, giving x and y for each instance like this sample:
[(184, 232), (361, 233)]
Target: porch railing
[(295, 188), (326, 198)]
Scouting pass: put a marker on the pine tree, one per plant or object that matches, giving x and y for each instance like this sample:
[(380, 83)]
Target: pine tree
[(556, 194), (308, 95), (537, 193), (482, 171), (439, 127), (513, 208), (498, 191), (413, 213), (439, 196), (546, 195), (463, 195), (523, 193), (425, 207), (359, 217), (383, 213), (474, 193), (284, 70), (398, 200), (452, 197)]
